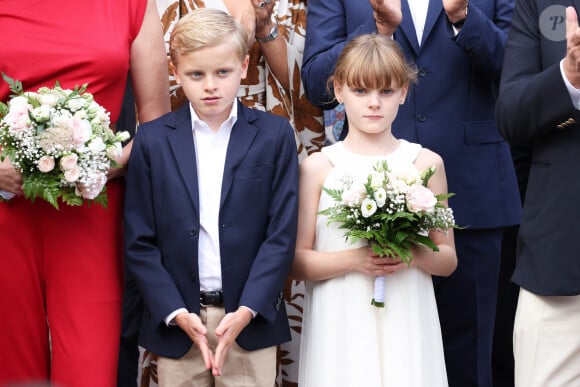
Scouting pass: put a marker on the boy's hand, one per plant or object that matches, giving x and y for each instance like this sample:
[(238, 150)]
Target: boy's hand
[(227, 332), (191, 324)]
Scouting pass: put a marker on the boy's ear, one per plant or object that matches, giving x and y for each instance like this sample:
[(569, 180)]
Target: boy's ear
[(245, 64), (174, 72)]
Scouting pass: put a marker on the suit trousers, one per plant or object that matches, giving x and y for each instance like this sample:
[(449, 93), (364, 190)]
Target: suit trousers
[(546, 341), (241, 368)]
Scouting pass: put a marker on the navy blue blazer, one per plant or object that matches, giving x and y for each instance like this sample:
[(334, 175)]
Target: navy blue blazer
[(451, 110), (257, 219), (536, 114)]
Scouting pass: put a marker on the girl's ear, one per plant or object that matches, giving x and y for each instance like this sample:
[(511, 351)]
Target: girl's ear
[(337, 91), (404, 91)]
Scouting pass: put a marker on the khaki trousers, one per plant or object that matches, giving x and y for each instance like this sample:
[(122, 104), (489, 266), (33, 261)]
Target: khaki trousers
[(241, 368), (547, 341)]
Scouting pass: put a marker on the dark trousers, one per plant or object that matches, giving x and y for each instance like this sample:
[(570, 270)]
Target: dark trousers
[(129, 345), (507, 300), (466, 301)]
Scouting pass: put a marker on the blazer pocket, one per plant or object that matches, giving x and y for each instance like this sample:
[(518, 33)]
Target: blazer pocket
[(482, 132), (253, 173)]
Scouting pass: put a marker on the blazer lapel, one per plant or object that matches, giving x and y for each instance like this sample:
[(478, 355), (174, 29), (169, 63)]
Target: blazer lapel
[(435, 8), (182, 145), (241, 139), (407, 28)]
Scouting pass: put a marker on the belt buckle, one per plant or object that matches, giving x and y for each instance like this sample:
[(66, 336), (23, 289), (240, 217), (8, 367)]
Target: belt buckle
[(211, 298)]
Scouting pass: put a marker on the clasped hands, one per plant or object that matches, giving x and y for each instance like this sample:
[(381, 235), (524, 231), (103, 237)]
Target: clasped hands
[(388, 15), (227, 331)]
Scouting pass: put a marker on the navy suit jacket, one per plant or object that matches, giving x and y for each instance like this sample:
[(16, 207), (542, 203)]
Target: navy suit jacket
[(451, 109), (536, 114), (257, 220)]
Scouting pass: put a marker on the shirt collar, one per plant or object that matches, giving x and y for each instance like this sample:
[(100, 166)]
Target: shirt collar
[(197, 123)]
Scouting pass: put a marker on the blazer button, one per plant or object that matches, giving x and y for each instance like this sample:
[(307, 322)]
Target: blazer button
[(193, 231), (422, 72), (421, 117)]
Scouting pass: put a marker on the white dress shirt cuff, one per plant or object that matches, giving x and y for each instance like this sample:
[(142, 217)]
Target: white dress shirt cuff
[(169, 319), (574, 92), (254, 313)]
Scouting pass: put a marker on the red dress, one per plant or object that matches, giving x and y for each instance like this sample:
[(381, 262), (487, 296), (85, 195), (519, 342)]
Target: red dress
[(62, 270)]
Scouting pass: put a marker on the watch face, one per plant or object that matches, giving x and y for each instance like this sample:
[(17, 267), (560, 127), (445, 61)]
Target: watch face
[(271, 36)]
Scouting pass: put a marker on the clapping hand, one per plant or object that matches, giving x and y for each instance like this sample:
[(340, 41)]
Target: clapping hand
[(572, 60), (455, 10), (387, 14)]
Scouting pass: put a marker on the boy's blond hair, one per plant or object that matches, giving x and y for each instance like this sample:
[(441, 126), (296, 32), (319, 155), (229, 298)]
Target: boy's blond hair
[(206, 27), (373, 61)]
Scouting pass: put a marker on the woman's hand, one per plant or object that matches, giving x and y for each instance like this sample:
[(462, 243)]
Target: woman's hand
[(10, 178), (263, 10), (119, 171)]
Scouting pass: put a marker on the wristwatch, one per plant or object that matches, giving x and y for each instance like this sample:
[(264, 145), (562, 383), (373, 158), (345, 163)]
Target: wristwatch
[(271, 36)]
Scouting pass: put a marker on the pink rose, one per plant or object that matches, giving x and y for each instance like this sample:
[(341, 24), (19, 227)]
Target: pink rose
[(45, 164), (72, 175), (420, 199), (81, 131), (69, 162), (92, 190)]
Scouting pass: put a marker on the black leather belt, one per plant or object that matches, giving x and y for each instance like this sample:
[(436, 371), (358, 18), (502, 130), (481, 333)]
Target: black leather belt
[(212, 298)]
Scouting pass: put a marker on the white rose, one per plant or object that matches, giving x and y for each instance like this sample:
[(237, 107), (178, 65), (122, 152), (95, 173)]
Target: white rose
[(353, 195), (114, 151), (45, 164), (96, 145), (41, 113), (75, 104), (19, 103), (80, 114), (48, 99), (407, 173)]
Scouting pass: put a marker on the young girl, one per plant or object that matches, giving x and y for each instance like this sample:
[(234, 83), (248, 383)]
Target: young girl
[(345, 340)]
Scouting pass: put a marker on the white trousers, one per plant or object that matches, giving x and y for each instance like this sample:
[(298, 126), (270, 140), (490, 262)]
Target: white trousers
[(547, 341)]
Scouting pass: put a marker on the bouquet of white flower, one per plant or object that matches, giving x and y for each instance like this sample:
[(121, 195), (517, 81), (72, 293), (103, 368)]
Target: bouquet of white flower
[(392, 210), (61, 141)]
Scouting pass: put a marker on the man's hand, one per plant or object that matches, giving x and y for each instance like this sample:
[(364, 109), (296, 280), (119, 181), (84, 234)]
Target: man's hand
[(227, 332), (455, 10), (571, 63), (10, 178), (387, 14), (191, 324)]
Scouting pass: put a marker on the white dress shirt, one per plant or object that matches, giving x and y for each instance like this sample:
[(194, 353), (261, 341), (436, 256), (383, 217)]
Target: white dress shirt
[(419, 14), (210, 152)]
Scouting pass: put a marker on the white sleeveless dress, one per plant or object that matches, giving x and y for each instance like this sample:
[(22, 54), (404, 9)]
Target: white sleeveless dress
[(347, 342)]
